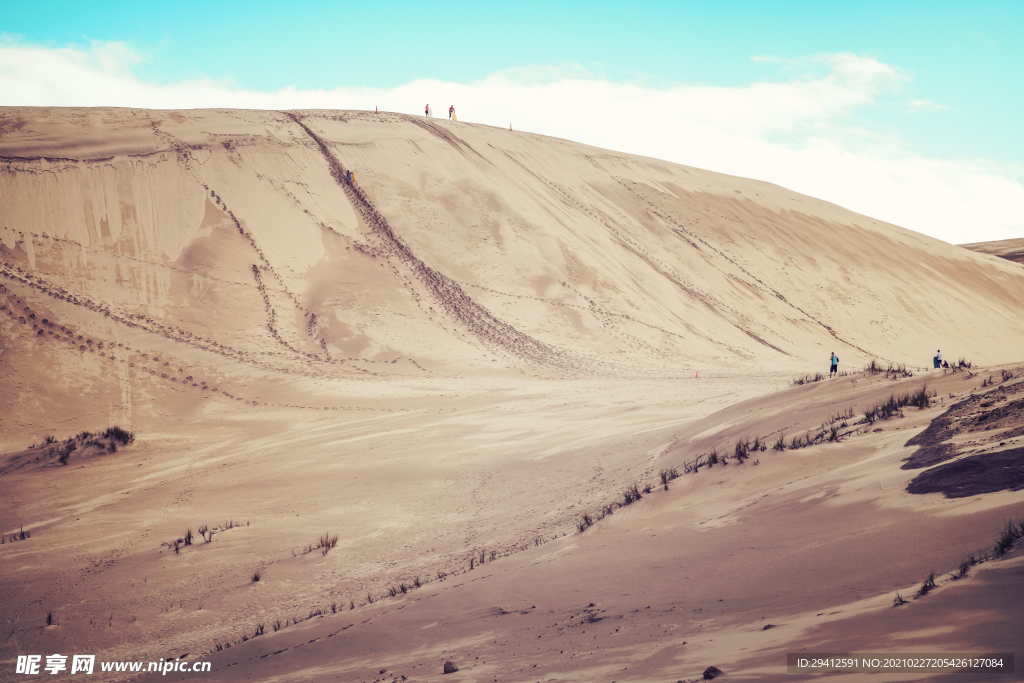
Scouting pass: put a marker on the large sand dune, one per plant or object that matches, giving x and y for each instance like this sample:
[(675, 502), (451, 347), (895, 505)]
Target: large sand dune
[(482, 337), (1011, 250)]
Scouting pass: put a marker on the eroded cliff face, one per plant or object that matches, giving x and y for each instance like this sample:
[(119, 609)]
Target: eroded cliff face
[(236, 237)]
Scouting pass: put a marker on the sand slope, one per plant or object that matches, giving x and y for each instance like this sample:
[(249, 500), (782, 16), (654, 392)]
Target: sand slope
[(459, 237), (1011, 250)]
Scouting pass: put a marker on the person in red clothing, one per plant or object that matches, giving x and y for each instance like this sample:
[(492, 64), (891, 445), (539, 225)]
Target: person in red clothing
[(451, 110), (427, 112)]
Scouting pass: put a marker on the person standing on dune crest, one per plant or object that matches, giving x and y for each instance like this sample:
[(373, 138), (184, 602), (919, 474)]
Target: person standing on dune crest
[(451, 112), (427, 113), (835, 365)]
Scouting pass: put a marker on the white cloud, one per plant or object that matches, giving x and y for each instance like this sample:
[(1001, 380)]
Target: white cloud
[(925, 104), (793, 133)]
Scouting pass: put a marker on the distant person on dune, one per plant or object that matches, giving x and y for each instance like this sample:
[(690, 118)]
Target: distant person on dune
[(451, 112), (938, 358), (835, 365), (427, 113)]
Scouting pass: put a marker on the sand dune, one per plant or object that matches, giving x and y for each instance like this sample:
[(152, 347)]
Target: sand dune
[(1011, 250), (450, 361)]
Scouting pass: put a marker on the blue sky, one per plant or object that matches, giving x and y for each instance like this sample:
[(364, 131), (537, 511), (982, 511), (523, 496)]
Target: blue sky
[(950, 93)]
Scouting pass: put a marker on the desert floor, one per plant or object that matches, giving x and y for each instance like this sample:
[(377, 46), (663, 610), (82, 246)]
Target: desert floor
[(814, 542)]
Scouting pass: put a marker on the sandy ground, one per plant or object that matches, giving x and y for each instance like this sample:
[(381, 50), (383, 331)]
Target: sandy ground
[(448, 365), (1011, 250)]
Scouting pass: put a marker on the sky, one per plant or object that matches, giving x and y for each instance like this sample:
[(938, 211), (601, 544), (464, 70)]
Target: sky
[(905, 111)]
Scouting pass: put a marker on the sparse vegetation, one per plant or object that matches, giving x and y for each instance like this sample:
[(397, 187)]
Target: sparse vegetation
[(922, 399), (740, 450), (897, 371), (841, 417), (49, 618), (1007, 375), (928, 584), (65, 451), (1013, 530), (631, 495), (257, 575), (324, 544), (327, 542), (966, 563), (893, 406), (118, 434), (780, 444), (695, 464), (668, 475), (86, 439), (890, 371)]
